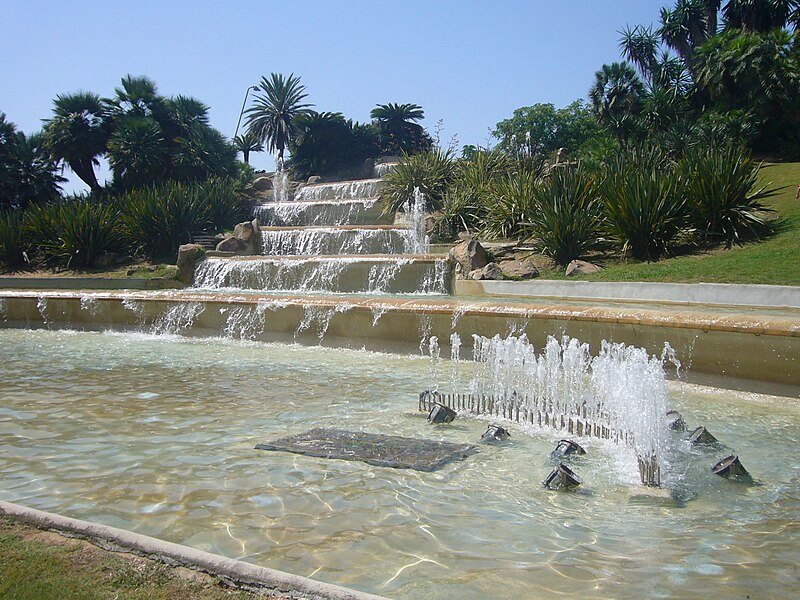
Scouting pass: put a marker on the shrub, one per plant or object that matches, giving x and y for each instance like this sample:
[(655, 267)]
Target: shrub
[(72, 232), (12, 244), (432, 172), (510, 204), (567, 215), (723, 196), (159, 219), (644, 205)]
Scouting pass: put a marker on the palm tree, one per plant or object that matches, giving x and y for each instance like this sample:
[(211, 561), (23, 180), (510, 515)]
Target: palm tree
[(77, 134), (758, 16), (616, 97), (246, 143), (396, 122), (684, 28), (278, 102), (639, 45)]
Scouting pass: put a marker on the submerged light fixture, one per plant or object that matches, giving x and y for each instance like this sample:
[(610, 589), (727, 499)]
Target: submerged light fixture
[(441, 414), (495, 433), (676, 421), (562, 478), (701, 435), (731, 468), (567, 448)]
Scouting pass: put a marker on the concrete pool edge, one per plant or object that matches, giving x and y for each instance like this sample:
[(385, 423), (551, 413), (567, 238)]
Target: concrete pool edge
[(234, 572), (711, 294)]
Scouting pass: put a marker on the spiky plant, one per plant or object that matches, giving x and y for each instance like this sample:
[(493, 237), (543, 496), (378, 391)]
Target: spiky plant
[(432, 172), (566, 219)]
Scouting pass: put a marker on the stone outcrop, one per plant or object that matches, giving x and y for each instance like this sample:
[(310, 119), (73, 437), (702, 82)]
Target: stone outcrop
[(490, 271), (188, 257), (245, 240), (518, 269), (469, 256), (581, 267), (262, 184)]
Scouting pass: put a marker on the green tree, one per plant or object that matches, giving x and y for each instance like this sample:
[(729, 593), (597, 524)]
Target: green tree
[(399, 129), (539, 130), (617, 97), (28, 174), (78, 133), (758, 16), (278, 102), (247, 143)]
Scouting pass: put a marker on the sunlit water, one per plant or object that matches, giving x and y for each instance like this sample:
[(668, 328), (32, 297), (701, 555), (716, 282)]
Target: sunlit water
[(156, 435)]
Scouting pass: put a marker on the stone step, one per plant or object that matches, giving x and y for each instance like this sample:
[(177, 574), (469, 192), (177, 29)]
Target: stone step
[(373, 274)]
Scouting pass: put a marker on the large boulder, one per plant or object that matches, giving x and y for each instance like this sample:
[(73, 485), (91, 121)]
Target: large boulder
[(518, 269), (490, 271), (469, 256), (581, 267), (262, 184), (313, 179), (245, 241), (105, 260), (188, 257)]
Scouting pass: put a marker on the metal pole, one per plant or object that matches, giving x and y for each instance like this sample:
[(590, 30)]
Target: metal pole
[(244, 103)]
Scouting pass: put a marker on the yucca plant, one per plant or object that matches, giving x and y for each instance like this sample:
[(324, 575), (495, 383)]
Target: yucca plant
[(12, 245), (723, 194), (225, 203), (159, 219), (566, 219), (644, 203), (511, 203), (465, 203), (432, 172), (73, 232)]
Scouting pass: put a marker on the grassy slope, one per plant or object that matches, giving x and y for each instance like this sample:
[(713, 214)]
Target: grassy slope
[(36, 565), (774, 261)]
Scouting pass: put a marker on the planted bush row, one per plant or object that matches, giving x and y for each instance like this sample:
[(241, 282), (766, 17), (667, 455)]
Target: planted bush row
[(642, 202), (151, 222)]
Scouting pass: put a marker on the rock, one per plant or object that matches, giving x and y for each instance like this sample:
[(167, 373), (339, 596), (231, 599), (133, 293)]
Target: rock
[(188, 257), (465, 236), (581, 267), (152, 268), (262, 184), (470, 255), (313, 179), (219, 237), (105, 260), (519, 269), (231, 244), (245, 241), (490, 271), (367, 169)]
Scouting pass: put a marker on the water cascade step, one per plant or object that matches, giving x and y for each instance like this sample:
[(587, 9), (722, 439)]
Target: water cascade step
[(339, 239), (367, 274), (334, 238)]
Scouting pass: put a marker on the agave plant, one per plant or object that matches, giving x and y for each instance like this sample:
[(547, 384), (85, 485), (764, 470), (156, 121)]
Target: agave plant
[(511, 203), (432, 172), (72, 232), (644, 203), (12, 241), (723, 194), (567, 217)]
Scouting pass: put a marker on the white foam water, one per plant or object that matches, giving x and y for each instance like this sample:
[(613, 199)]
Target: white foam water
[(361, 188), (331, 241)]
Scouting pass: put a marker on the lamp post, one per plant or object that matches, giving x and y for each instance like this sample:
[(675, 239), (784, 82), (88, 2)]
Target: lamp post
[(244, 103)]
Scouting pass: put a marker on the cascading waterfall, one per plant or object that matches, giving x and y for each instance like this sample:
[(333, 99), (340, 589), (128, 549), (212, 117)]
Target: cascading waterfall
[(383, 169), (330, 241), (417, 240), (331, 212), (345, 190), (280, 183), (177, 318)]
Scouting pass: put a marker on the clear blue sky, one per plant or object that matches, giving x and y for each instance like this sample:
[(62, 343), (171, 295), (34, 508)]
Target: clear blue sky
[(468, 62)]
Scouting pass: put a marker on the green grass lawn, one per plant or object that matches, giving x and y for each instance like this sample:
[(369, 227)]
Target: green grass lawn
[(775, 260), (36, 565)]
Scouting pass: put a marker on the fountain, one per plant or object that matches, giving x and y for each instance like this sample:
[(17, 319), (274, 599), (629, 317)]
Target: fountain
[(144, 411)]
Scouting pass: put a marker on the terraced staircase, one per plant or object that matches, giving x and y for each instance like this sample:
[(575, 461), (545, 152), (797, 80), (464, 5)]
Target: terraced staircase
[(333, 238)]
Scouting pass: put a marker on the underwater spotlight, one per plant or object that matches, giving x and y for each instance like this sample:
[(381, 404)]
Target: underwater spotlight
[(676, 422), (441, 414), (495, 433), (731, 468), (701, 435), (562, 478), (567, 448)]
